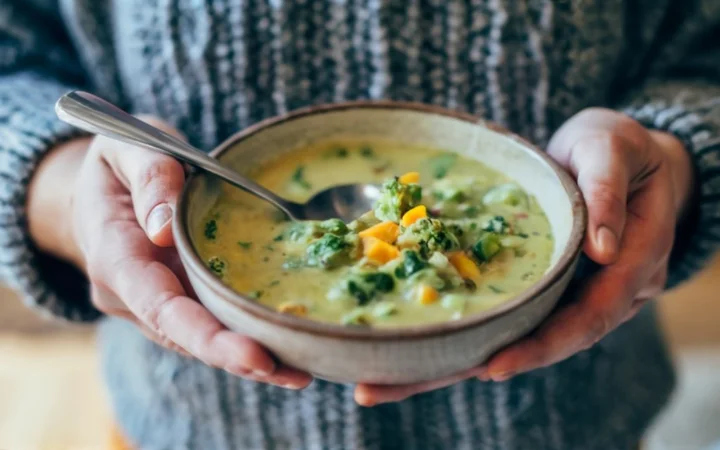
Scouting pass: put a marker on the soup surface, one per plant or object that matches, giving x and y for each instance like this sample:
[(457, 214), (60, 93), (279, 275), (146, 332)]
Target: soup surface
[(447, 238)]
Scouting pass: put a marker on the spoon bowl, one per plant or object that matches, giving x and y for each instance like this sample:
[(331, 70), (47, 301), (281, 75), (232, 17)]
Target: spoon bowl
[(97, 116)]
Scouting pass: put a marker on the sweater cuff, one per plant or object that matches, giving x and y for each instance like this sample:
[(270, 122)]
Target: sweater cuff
[(29, 129), (698, 237)]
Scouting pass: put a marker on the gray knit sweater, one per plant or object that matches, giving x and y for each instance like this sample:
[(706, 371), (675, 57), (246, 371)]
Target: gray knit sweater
[(215, 66)]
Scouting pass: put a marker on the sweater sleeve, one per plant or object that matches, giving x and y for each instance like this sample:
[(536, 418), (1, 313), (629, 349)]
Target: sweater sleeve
[(691, 112), (37, 66), (679, 93)]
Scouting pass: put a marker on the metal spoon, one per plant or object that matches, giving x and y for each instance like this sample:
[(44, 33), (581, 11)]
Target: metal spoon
[(97, 116)]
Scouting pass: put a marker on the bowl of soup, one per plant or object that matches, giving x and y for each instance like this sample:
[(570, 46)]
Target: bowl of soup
[(473, 238)]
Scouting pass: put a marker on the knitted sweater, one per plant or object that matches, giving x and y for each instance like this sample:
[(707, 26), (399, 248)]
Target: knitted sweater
[(213, 67)]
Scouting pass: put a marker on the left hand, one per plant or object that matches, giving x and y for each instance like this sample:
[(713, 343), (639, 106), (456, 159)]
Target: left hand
[(636, 184)]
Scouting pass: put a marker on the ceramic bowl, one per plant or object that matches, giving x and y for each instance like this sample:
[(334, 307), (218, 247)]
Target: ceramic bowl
[(399, 355)]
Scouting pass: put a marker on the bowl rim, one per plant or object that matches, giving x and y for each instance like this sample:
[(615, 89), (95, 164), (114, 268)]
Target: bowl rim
[(191, 260)]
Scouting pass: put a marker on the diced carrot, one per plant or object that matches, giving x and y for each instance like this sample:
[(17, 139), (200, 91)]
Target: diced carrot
[(295, 309), (379, 251), (415, 214), (386, 231), (410, 178), (427, 295), (465, 266)]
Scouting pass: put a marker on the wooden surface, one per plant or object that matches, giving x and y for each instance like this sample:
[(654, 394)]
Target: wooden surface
[(51, 397)]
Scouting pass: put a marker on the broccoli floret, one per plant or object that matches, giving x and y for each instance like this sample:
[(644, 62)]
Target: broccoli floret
[(396, 199), (306, 231), (367, 286), (328, 252), (411, 264), (486, 247), (429, 235), (333, 226), (217, 266)]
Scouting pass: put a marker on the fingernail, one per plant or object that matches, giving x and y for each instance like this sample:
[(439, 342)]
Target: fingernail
[(158, 217), (607, 240)]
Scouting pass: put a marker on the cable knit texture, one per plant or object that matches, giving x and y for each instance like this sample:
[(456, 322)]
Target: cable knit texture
[(213, 67)]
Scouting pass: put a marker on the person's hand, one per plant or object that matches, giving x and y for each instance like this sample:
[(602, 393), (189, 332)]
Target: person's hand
[(636, 184), (122, 207)]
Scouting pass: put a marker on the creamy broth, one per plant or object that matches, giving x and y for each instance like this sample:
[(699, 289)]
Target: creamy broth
[(498, 228)]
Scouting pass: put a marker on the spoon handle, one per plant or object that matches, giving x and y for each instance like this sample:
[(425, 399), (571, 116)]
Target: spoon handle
[(97, 116)]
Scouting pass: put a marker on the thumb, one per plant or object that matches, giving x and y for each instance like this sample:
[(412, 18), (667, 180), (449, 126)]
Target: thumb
[(603, 175), (154, 181)]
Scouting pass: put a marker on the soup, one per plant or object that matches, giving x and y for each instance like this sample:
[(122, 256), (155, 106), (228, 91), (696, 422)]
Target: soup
[(447, 238)]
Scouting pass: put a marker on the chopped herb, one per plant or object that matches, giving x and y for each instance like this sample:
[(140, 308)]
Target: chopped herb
[(266, 259), (274, 283), (495, 289), (367, 152), (211, 229), (298, 177), (549, 237), (527, 275), (256, 294), (278, 238), (341, 153), (441, 164), (535, 233), (497, 224), (245, 245), (269, 247), (523, 235), (473, 226), (217, 266)]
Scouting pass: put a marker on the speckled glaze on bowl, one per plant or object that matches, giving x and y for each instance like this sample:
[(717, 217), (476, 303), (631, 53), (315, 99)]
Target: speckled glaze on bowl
[(399, 355)]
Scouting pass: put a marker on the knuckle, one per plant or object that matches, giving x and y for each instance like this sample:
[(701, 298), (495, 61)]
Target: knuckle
[(604, 195), (154, 313), (161, 170), (593, 112)]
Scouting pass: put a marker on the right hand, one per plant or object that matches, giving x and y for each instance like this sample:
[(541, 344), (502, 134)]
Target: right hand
[(123, 203)]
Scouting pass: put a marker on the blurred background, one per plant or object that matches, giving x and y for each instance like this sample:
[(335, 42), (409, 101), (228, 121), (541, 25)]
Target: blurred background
[(52, 398)]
